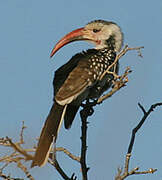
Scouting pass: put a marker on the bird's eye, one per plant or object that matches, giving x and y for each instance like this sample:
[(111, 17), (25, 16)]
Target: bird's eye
[(96, 30)]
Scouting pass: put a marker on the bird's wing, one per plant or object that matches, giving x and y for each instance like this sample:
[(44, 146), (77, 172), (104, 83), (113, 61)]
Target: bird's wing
[(77, 82), (63, 72)]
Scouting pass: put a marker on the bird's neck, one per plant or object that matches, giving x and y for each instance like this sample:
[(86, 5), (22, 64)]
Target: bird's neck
[(110, 43), (107, 44)]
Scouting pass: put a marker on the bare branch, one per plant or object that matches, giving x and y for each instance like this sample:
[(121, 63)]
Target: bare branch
[(134, 131), (17, 156), (25, 170), (142, 108), (5, 177), (126, 172), (21, 133), (18, 148), (117, 85), (60, 170), (122, 79), (68, 153), (84, 113), (122, 53), (134, 171)]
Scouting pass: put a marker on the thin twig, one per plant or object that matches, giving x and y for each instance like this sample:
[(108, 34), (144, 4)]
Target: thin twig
[(17, 148), (60, 170), (22, 133), (134, 171), (121, 82), (127, 159), (126, 172), (68, 153), (134, 131), (142, 108), (117, 85), (25, 170), (122, 53), (18, 155), (5, 177)]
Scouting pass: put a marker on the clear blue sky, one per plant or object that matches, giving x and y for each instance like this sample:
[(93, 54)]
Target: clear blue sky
[(28, 31)]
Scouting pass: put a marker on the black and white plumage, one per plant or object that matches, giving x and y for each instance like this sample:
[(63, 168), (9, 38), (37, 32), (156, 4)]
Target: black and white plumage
[(79, 79)]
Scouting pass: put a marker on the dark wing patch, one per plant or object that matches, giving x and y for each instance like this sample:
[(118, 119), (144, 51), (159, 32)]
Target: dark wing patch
[(63, 72), (77, 81)]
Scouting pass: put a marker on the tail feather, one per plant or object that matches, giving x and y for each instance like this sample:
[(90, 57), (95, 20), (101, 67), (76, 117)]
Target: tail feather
[(70, 114), (49, 134)]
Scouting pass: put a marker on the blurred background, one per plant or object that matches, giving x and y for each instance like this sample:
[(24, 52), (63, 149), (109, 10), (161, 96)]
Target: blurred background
[(28, 32)]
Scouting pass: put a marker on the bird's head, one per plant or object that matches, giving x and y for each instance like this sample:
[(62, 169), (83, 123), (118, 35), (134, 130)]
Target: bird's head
[(99, 32)]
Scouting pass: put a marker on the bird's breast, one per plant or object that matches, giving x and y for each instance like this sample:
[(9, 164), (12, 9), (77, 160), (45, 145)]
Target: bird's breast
[(98, 64)]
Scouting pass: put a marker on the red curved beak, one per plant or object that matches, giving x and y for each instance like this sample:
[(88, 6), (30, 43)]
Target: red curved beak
[(75, 35)]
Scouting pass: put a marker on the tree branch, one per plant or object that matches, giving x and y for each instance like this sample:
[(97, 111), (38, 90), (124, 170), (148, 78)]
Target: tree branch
[(60, 170), (117, 86), (84, 113), (126, 173), (134, 131), (68, 153), (122, 53), (5, 177)]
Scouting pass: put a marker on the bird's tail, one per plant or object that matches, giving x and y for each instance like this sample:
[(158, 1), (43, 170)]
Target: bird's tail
[(49, 134)]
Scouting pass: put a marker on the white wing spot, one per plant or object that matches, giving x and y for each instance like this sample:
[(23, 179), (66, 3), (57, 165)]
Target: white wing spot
[(88, 80), (101, 69), (89, 73), (100, 73)]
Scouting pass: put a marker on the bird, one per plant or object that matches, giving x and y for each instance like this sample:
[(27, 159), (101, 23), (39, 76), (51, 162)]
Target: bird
[(79, 79)]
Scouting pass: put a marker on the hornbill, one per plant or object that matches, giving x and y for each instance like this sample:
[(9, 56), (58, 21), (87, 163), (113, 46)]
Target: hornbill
[(79, 79)]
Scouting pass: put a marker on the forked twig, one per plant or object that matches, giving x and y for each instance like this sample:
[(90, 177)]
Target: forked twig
[(126, 172), (134, 131), (122, 53)]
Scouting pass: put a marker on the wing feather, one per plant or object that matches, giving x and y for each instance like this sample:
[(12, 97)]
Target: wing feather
[(77, 82)]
